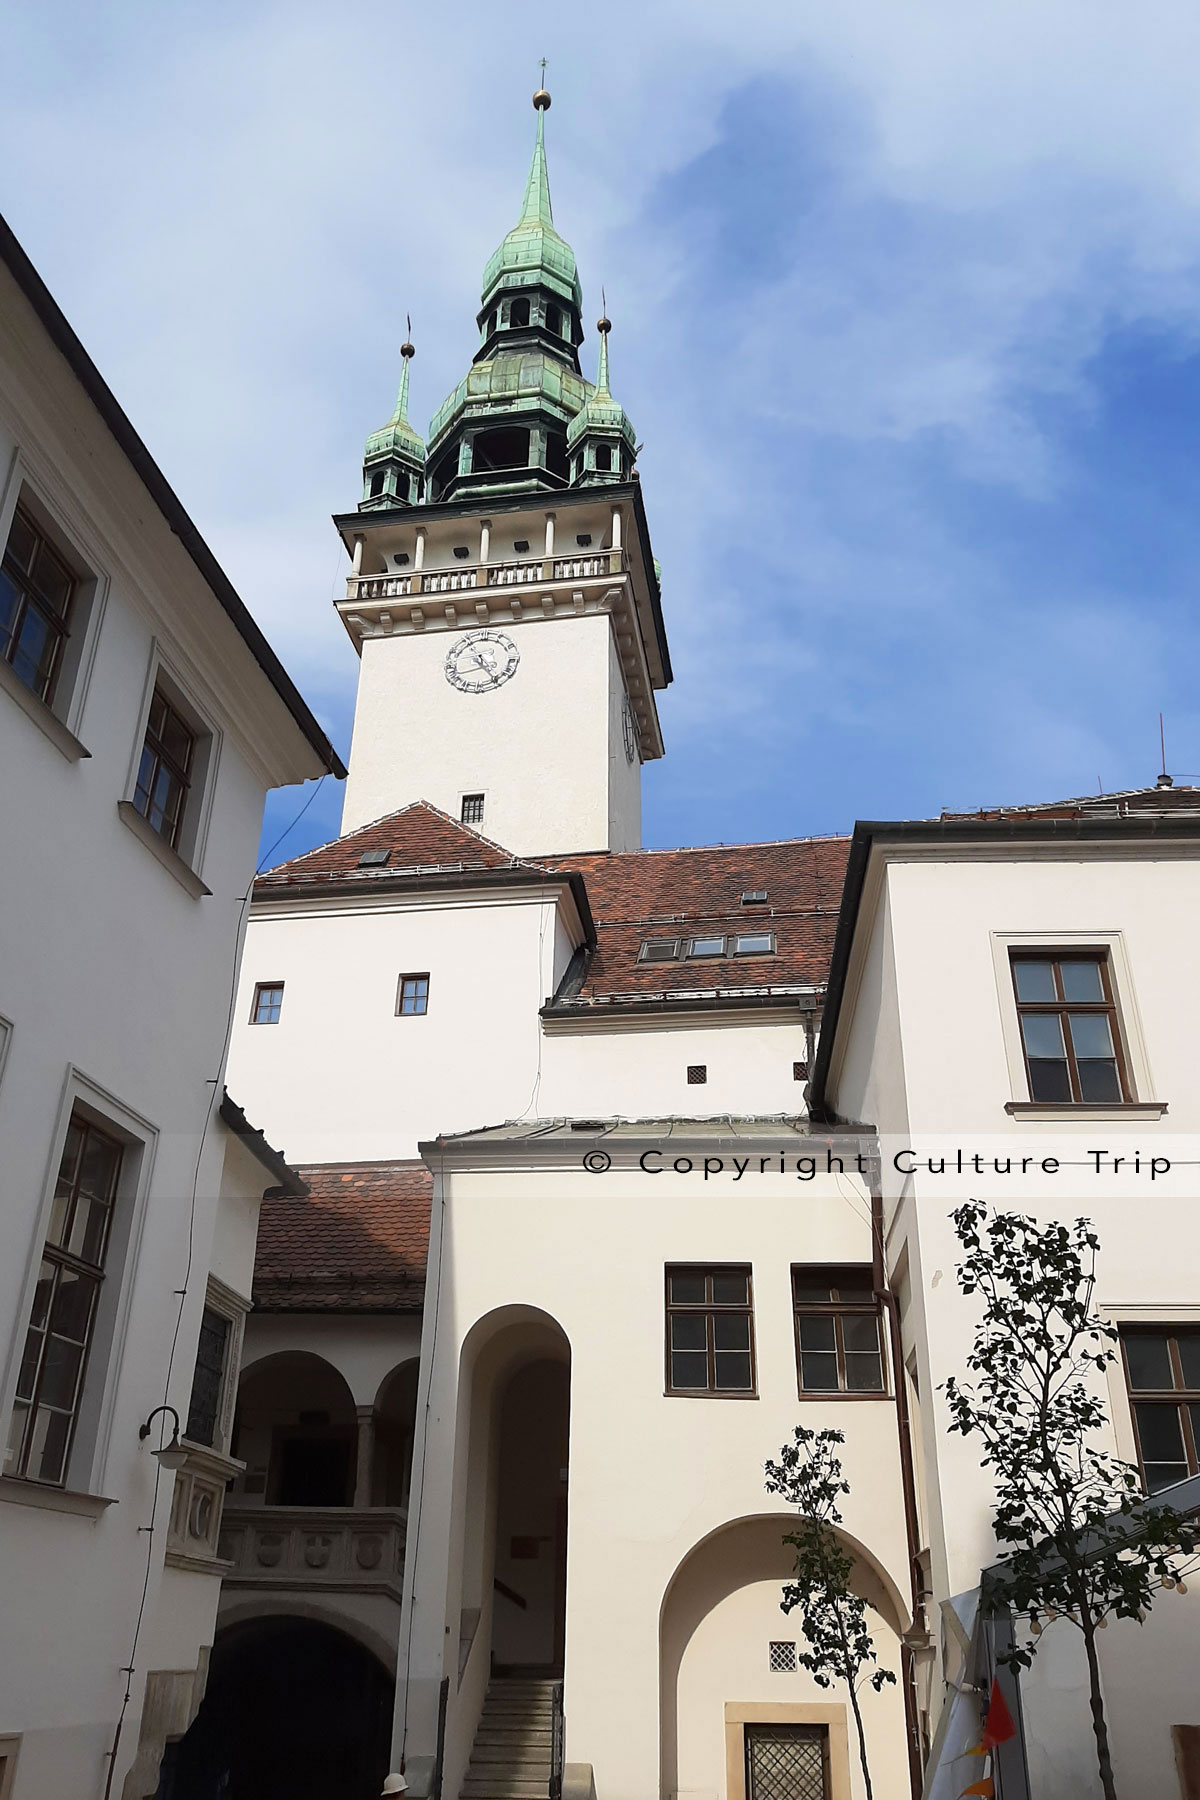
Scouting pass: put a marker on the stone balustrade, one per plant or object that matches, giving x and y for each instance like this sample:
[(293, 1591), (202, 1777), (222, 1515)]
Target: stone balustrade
[(331, 1549)]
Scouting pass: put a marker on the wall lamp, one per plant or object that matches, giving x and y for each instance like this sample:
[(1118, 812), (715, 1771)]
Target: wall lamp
[(172, 1455)]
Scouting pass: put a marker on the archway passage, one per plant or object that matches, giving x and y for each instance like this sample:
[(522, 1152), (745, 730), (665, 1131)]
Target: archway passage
[(528, 1620), (294, 1710)]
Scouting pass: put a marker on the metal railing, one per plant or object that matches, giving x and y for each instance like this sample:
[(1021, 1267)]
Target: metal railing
[(557, 1741)]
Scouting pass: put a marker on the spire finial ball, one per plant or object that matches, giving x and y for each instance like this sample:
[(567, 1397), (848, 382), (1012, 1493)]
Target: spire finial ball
[(604, 326), (541, 100), (407, 350)]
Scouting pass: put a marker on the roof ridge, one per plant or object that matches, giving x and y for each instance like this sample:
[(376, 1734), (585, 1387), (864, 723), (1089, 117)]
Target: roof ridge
[(825, 837)]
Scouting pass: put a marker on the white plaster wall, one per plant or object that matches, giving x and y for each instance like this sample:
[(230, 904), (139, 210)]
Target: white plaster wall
[(640, 1071), (650, 1475), (364, 1348), (109, 967), (341, 1077), (540, 747), (624, 776)]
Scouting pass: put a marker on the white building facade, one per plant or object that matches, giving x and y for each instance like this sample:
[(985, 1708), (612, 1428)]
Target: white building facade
[(142, 719)]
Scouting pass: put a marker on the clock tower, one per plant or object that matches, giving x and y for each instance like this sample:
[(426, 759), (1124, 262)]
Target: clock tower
[(503, 596)]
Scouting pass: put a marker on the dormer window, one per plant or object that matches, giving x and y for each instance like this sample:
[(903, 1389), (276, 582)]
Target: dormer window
[(754, 897), (659, 950)]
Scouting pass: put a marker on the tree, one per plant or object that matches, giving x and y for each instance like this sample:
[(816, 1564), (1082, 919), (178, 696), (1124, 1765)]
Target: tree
[(1084, 1543), (837, 1645)]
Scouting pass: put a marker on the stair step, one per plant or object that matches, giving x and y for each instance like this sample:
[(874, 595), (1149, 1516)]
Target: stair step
[(503, 1787)]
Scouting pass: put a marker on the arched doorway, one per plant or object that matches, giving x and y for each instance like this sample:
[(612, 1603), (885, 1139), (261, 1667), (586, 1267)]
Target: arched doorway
[(530, 1579), (294, 1710), (395, 1417), (726, 1676), (296, 1430)]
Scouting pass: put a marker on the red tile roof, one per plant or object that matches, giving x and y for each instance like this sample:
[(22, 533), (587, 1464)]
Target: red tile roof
[(419, 838), (641, 894), (1129, 803), (357, 1243)]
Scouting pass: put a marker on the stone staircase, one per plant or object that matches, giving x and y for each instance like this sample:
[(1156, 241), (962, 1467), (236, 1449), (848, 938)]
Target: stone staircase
[(510, 1758)]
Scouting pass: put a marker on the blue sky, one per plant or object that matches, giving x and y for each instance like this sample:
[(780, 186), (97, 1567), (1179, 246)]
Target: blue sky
[(906, 306)]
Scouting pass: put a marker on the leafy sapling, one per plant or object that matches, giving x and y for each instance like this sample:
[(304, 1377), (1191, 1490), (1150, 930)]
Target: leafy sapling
[(1083, 1542), (837, 1645)]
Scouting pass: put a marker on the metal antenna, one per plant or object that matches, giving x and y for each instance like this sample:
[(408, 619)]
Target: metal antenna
[(1162, 743)]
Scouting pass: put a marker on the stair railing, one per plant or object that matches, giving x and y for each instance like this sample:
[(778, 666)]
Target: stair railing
[(557, 1741)]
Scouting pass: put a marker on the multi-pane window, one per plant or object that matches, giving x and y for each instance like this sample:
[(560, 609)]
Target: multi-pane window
[(165, 770), (472, 809), (1069, 1026), (208, 1380), (710, 1331), (1162, 1371), (50, 1381), (412, 995), (36, 590), (268, 1003), (838, 1344)]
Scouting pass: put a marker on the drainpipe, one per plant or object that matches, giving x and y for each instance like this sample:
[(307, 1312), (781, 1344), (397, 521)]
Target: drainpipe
[(908, 1483)]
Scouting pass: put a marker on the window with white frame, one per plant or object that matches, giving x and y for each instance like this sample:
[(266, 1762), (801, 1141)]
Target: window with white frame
[(209, 1417)]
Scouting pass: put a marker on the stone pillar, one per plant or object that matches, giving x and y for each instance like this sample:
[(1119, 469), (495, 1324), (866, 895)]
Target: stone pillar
[(485, 539), (358, 550), (366, 1455), (419, 558), (550, 518), (616, 528)]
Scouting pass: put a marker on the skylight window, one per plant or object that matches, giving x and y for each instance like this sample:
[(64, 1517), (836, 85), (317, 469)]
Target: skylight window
[(754, 897), (706, 946), (373, 859), (659, 950), (754, 943)]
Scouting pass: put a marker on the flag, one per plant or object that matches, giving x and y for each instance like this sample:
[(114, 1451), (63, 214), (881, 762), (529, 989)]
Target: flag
[(998, 1727)]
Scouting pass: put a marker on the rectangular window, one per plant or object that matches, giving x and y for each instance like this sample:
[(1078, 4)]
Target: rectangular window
[(36, 591), (659, 950), (412, 995), (165, 770), (50, 1382), (1068, 1020), (472, 809), (268, 1003), (710, 1331), (208, 1378), (697, 1074), (706, 946), (787, 1760), (839, 1348), (1162, 1373), (754, 897), (373, 859), (754, 943)]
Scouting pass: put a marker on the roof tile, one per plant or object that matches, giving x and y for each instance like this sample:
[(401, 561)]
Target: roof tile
[(357, 1243)]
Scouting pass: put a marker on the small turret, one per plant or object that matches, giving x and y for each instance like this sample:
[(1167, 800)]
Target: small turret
[(601, 442), (394, 459)]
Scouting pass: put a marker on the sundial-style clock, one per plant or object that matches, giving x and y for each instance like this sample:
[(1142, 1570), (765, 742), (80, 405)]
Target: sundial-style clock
[(480, 661)]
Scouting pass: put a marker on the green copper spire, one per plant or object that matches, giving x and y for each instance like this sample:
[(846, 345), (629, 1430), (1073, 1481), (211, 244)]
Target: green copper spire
[(394, 460), (601, 442), (533, 254)]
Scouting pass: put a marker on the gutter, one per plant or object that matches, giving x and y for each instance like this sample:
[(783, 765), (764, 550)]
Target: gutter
[(958, 833), (61, 335), (288, 1181)]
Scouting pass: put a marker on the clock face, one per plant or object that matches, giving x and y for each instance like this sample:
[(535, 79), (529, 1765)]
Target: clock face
[(481, 661), (630, 732)]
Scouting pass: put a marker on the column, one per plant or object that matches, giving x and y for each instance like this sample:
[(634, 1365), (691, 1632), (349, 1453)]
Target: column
[(485, 539), (419, 558), (550, 518), (366, 1455), (358, 550), (616, 528)]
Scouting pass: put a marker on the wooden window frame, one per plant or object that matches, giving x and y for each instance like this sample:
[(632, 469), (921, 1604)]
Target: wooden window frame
[(1056, 955), (59, 623), (412, 1012), (709, 1309), (261, 988), (838, 1310), (1180, 1397), (181, 773), (63, 1259)]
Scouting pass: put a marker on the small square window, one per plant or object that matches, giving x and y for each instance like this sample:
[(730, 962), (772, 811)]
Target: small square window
[(471, 812), (659, 950), (412, 996), (697, 1074), (754, 943), (799, 1071), (781, 1658), (373, 859), (706, 946), (268, 1003), (754, 897)]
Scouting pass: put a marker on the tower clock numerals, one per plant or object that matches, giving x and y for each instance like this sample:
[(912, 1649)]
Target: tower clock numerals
[(631, 742), (480, 661)]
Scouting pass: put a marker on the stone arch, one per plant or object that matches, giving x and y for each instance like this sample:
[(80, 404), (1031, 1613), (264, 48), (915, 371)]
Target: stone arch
[(323, 1609), (726, 1587), (296, 1428), (394, 1415)]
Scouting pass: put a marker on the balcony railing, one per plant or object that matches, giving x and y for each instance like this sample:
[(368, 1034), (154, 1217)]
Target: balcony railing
[(340, 1549), (527, 571)]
